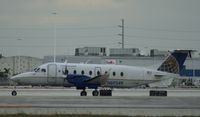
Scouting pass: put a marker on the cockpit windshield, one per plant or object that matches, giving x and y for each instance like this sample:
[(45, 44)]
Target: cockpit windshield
[(37, 69)]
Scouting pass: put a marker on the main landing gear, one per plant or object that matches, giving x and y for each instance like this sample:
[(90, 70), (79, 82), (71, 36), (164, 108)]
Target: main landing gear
[(83, 93), (94, 93)]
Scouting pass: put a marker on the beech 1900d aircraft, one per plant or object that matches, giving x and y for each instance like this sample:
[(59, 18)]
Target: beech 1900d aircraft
[(92, 76)]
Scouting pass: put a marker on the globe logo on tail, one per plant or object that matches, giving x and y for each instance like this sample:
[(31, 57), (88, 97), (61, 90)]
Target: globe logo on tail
[(170, 65)]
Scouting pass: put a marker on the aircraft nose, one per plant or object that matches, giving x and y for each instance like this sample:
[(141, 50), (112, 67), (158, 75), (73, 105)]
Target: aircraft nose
[(15, 78)]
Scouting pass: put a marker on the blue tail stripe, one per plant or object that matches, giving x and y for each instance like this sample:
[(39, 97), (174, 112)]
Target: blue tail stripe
[(180, 58)]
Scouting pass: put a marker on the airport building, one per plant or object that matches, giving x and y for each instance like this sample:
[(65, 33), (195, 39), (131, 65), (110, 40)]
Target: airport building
[(90, 51), (101, 51), (124, 52), (156, 52), (19, 64)]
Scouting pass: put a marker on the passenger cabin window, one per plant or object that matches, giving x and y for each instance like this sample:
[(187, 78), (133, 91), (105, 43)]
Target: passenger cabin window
[(82, 72), (114, 73), (74, 71), (90, 72), (122, 74), (106, 72), (43, 70), (98, 73)]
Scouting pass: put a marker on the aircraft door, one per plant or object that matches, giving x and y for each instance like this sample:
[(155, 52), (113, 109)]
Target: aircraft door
[(97, 71), (51, 73)]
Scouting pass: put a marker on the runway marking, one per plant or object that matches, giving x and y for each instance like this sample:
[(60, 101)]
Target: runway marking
[(98, 106), (118, 107), (15, 106)]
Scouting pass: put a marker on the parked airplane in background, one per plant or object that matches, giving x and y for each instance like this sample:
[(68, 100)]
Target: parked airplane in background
[(92, 76)]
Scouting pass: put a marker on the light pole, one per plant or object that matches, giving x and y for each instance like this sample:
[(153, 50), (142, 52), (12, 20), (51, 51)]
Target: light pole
[(55, 36), (122, 33), (19, 63)]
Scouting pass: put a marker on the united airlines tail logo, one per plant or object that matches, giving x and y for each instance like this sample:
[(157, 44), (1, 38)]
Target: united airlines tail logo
[(170, 65)]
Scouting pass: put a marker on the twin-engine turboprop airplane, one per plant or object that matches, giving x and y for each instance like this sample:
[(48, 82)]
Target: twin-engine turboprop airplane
[(92, 76)]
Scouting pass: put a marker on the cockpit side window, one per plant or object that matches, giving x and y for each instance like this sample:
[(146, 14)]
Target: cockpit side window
[(43, 70)]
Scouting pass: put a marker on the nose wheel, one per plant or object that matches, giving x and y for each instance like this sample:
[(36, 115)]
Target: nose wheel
[(14, 93)]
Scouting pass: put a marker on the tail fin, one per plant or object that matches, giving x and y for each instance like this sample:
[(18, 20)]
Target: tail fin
[(174, 62)]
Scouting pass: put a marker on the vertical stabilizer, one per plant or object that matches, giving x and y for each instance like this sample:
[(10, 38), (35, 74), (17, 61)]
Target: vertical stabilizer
[(174, 62)]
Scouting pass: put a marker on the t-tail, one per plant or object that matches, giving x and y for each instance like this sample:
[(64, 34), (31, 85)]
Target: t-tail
[(174, 62)]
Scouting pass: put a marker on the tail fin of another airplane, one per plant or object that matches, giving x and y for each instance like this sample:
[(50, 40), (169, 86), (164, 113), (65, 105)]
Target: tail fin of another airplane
[(174, 62)]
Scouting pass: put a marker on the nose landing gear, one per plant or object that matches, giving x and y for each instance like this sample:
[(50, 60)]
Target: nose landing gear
[(14, 93)]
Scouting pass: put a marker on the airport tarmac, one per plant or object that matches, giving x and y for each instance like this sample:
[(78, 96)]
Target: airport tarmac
[(130, 102)]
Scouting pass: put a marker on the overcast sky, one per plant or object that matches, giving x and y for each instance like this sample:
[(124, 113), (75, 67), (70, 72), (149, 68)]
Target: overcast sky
[(27, 26)]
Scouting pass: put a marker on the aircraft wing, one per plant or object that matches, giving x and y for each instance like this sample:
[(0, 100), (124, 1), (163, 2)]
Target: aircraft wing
[(101, 79), (82, 81)]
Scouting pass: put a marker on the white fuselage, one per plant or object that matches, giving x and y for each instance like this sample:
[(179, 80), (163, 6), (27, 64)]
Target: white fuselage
[(120, 76)]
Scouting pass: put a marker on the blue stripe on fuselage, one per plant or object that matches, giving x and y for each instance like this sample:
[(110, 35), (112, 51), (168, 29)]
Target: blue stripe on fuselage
[(80, 81)]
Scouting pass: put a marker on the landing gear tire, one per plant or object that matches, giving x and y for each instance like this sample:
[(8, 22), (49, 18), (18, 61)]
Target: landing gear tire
[(14, 93), (83, 93), (95, 93)]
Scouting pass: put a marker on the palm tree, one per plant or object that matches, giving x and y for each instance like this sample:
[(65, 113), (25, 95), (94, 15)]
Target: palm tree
[(5, 73)]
